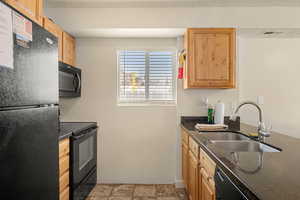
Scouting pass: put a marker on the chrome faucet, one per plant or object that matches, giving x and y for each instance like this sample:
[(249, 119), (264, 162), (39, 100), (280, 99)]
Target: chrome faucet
[(262, 131)]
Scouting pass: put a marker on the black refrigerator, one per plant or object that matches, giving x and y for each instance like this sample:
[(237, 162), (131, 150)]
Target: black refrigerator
[(28, 109)]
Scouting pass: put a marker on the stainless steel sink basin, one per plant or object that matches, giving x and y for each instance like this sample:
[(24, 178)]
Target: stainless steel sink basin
[(224, 136), (243, 146)]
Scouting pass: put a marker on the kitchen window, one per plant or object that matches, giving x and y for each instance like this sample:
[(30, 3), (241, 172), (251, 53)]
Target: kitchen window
[(146, 77)]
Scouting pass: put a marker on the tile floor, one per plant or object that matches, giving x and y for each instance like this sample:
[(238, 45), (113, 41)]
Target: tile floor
[(136, 192)]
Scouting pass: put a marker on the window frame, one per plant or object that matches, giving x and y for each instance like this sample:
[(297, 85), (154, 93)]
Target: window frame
[(149, 102)]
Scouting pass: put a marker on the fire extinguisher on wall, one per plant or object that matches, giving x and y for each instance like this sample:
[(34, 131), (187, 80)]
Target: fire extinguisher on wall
[(181, 60)]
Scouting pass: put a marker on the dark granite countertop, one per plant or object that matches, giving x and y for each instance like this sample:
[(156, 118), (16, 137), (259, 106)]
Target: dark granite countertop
[(266, 176), (69, 128)]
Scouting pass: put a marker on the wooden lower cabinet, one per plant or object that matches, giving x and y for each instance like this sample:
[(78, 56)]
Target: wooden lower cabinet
[(64, 168), (207, 190), (64, 195), (185, 156), (198, 172), (193, 176)]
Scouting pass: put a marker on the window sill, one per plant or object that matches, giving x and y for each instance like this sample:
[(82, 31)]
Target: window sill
[(158, 104)]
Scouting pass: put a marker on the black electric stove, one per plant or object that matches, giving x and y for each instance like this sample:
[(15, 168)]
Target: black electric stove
[(83, 157)]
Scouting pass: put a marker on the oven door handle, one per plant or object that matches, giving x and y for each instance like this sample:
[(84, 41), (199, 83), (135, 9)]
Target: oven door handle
[(91, 132)]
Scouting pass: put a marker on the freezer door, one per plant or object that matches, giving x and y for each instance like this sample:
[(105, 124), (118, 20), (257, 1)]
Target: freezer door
[(33, 79), (29, 154)]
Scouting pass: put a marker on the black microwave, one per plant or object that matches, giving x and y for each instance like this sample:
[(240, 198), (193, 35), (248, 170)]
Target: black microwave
[(69, 81)]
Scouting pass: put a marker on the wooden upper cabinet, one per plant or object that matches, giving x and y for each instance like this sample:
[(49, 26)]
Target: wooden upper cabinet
[(32, 9), (53, 28), (210, 58), (69, 45)]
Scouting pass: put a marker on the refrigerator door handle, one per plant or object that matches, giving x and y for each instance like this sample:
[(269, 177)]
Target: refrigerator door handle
[(79, 81)]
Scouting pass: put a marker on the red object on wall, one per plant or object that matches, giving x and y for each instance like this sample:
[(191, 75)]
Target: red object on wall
[(180, 73)]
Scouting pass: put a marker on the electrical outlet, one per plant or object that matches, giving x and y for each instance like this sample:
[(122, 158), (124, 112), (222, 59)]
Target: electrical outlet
[(204, 101)]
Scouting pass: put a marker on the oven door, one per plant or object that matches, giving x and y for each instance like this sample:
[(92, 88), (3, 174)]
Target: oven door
[(69, 81), (83, 155), (85, 187)]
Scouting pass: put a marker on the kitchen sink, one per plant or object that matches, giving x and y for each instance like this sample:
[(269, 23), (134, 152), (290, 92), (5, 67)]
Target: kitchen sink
[(224, 136), (243, 146)]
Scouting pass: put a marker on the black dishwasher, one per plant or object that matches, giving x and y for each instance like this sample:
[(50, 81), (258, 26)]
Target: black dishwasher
[(225, 188)]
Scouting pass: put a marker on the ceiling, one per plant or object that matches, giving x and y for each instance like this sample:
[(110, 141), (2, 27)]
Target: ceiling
[(142, 32), (167, 3), (177, 32)]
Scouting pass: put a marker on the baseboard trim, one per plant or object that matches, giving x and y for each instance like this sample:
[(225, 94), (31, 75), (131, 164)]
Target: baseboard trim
[(125, 181)]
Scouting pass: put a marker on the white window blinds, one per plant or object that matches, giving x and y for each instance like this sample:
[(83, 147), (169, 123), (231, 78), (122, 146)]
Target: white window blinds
[(146, 76)]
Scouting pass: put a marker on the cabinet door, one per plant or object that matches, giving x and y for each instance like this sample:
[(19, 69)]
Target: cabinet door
[(185, 164), (207, 188), (57, 31), (32, 9), (207, 193), (69, 49), (199, 182), (193, 177), (64, 169), (211, 58)]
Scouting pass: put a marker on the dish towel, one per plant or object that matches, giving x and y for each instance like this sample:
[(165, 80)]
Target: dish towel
[(211, 127)]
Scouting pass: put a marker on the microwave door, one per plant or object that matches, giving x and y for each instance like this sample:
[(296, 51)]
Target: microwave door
[(67, 82)]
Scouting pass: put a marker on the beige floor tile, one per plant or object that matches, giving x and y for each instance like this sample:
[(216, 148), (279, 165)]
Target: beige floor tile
[(123, 190), (120, 198), (97, 198), (166, 190), (145, 191), (144, 198), (102, 190), (167, 198)]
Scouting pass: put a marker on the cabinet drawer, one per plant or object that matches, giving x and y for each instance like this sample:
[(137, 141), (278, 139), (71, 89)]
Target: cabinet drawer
[(64, 181), (65, 195), (194, 147), (64, 164), (207, 163), (184, 137), (64, 147)]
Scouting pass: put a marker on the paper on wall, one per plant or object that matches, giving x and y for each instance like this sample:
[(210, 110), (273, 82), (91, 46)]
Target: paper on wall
[(22, 27), (6, 37)]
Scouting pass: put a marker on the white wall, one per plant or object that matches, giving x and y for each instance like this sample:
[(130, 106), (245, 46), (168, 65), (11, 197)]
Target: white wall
[(271, 68), (136, 144)]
